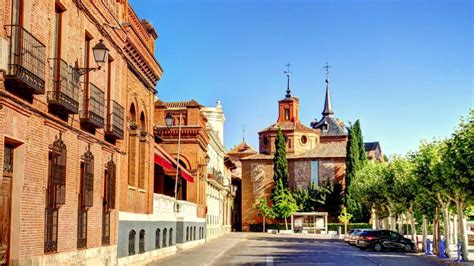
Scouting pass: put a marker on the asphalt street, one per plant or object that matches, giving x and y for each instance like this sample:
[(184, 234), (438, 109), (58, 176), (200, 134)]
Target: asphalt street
[(267, 249)]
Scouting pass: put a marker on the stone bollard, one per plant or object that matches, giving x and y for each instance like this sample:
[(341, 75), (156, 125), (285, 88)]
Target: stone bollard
[(428, 247)]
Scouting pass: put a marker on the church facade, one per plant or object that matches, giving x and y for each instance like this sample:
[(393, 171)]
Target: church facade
[(316, 154)]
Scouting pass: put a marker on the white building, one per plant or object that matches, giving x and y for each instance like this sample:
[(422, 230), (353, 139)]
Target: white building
[(218, 191)]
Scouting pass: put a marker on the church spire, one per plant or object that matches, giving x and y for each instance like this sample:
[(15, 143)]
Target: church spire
[(288, 72), (327, 111)]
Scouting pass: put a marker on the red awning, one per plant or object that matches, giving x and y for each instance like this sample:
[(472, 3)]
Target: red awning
[(186, 175), (167, 161), (159, 160)]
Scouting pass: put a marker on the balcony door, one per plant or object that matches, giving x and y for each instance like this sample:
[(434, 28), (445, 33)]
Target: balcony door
[(5, 203)]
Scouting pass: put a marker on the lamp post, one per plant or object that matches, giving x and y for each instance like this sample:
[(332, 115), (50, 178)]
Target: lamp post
[(169, 123)]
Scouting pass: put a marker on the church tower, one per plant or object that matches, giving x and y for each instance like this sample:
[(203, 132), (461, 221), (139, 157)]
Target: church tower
[(299, 138), (332, 129)]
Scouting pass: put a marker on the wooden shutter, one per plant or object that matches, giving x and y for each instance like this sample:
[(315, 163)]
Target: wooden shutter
[(57, 180), (110, 197), (88, 182)]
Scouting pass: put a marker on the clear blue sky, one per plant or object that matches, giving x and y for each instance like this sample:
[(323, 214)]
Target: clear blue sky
[(404, 68)]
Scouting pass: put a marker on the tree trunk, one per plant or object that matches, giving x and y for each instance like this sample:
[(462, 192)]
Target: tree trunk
[(391, 219), (374, 219), (401, 229), (386, 223), (286, 224), (264, 224), (345, 227), (447, 235), (412, 224), (462, 228), (435, 234), (425, 232), (438, 232)]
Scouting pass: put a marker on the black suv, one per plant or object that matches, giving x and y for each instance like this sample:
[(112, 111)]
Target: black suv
[(384, 239)]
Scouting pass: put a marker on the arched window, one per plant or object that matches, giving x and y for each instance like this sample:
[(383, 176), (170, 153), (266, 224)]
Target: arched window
[(141, 243), (131, 242), (132, 139), (142, 168), (194, 233), (171, 237), (164, 237), (157, 238), (187, 233)]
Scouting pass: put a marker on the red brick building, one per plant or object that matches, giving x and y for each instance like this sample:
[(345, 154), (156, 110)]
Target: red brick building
[(316, 155), (68, 124)]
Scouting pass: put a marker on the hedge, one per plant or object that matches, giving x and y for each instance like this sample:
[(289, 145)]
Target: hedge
[(331, 226)]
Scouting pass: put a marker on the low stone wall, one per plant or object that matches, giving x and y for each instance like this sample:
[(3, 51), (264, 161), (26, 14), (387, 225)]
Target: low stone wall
[(91, 256), (147, 257)]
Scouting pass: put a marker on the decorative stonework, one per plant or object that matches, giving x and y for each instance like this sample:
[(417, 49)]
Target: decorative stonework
[(258, 178), (302, 174)]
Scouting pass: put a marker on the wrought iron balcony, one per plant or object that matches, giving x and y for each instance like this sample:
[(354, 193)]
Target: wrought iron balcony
[(27, 62), (93, 107), (65, 94), (115, 121)]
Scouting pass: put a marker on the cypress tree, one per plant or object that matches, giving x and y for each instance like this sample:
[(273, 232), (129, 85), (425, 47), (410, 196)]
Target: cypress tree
[(280, 163), (355, 161)]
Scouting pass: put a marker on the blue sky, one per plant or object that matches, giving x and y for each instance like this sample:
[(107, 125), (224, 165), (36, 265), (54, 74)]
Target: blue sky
[(404, 68)]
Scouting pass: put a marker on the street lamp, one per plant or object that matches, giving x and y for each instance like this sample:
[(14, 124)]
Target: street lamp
[(101, 53), (169, 123)]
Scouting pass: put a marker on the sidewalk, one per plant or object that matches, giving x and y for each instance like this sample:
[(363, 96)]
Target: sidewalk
[(205, 254)]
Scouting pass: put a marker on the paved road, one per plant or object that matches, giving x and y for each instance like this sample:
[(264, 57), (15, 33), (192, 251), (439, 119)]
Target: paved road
[(266, 249)]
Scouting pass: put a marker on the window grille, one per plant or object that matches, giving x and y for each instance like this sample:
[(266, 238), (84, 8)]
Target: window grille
[(8, 159)]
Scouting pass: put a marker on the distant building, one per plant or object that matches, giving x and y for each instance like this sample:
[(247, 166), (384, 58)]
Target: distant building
[(315, 155), (374, 151), (238, 152)]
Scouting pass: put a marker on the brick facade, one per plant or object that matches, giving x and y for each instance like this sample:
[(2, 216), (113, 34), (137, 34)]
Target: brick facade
[(314, 157), (29, 123)]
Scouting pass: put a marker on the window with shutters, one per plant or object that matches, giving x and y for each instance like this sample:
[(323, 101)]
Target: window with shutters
[(141, 242), (55, 193), (87, 180), (110, 185), (85, 196)]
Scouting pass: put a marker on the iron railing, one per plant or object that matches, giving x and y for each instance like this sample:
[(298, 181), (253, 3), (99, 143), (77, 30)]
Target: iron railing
[(27, 61), (93, 107), (65, 93), (115, 121)]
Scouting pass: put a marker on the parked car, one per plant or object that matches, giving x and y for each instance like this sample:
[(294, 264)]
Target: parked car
[(355, 235), (384, 239), (347, 236)]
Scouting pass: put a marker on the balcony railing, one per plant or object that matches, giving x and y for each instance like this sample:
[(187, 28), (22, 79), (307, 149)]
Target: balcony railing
[(115, 121), (93, 107), (65, 94), (27, 61)]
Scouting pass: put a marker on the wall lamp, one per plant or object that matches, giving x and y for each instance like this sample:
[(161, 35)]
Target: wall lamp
[(101, 53)]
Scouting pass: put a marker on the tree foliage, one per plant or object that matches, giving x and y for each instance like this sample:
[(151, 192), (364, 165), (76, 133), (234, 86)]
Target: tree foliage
[(280, 163), (284, 204)]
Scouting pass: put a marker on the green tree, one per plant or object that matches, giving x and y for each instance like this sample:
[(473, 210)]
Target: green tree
[(265, 210), (345, 218), (355, 161), (459, 170), (284, 204), (280, 163)]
